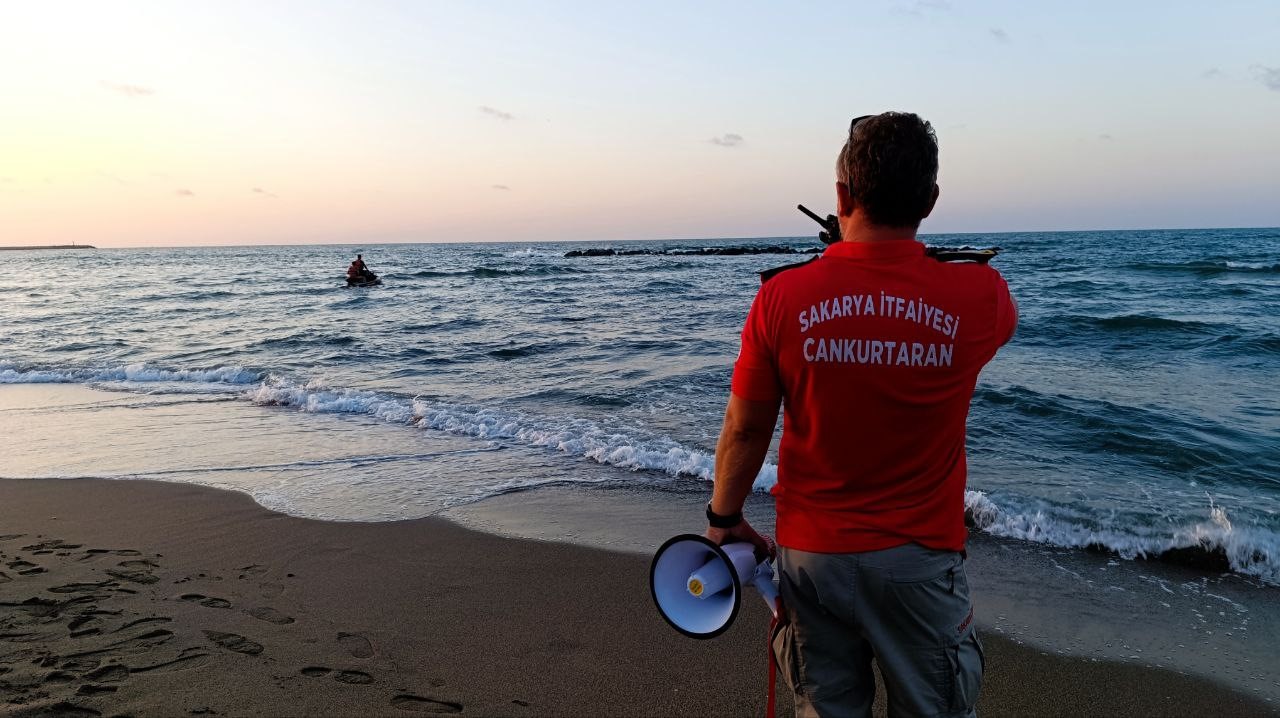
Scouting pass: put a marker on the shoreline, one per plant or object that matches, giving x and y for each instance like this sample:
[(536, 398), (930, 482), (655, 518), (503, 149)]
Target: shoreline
[(333, 618)]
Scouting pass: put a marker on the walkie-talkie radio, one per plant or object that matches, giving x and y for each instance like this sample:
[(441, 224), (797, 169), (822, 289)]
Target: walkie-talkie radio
[(830, 234)]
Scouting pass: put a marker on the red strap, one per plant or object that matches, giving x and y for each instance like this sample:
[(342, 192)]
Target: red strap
[(770, 702)]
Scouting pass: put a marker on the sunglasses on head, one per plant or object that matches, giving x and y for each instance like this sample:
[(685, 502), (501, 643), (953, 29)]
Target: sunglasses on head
[(856, 120)]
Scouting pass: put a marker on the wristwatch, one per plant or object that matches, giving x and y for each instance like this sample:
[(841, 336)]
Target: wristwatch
[(719, 521)]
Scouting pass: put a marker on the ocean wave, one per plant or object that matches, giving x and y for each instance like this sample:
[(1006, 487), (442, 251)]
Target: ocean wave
[(1246, 344), (306, 339), (1128, 323), (1254, 266), (1207, 266), (526, 350), (1171, 443), (573, 436), (494, 273), (131, 373), (1213, 543)]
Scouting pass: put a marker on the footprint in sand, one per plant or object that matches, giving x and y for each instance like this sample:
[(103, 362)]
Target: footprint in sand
[(206, 601), (4, 577), (188, 658), (10, 537), (113, 673), (25, 568), (135, 575), (270, 615), (70, 710), (234, 642), (142, 621), (89, 689), (406, 702), (355, 678), (79, 664), (51, 545), (356, 644), (271, 589), (81, 587), (136, 570)]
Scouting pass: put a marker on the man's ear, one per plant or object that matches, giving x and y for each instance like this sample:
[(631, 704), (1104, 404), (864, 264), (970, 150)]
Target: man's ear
[(844, 200), (932, 201)]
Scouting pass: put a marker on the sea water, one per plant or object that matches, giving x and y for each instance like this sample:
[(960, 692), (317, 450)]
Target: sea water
[(1136, 410)]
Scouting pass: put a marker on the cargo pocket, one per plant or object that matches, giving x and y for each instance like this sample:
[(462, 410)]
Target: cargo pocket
[(967, 663), (786, 653)]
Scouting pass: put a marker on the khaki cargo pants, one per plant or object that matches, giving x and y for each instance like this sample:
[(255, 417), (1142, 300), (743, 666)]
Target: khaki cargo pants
[(907, 607)]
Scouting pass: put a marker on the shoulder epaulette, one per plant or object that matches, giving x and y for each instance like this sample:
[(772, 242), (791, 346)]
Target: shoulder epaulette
[(768, 274), (962, 254)]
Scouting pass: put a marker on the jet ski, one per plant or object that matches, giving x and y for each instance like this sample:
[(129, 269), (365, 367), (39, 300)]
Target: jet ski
[(370, 280)]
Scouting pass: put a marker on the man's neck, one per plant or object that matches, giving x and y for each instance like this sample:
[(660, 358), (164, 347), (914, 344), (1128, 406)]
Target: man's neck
[(855, 229)]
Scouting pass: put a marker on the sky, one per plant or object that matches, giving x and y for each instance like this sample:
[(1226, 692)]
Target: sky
[(199, 123)]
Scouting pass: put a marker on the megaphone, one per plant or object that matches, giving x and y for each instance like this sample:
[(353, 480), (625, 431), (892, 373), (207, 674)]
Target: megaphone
[(697, 585)]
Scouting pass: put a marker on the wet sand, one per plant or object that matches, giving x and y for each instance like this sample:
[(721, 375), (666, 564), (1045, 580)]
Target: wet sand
[(146, 598)]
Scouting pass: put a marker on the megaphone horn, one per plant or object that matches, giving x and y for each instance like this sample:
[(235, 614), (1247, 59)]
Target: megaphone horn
[(697, 585)]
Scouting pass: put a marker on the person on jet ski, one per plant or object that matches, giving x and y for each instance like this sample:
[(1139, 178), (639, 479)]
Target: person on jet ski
[(359, 272), (364, 270)]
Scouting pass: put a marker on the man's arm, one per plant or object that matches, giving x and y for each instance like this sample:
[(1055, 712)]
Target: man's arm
[(744, 441)]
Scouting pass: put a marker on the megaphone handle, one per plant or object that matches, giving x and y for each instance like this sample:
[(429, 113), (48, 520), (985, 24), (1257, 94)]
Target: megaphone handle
[(769, 591)]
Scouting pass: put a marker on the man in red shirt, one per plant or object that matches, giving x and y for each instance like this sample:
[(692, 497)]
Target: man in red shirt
[(873, 350)]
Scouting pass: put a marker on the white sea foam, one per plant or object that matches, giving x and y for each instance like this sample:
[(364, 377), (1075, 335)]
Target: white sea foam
[(578, 437), (131, 373), (1249, 550)]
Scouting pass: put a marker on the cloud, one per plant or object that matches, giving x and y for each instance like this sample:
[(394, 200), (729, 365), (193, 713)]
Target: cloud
[(999, 34), (920, 7), (1212, 73), (128, 90), (728, 139), (264, 193), (184, 193), (495, 112), (1269, 76), (502, 187)]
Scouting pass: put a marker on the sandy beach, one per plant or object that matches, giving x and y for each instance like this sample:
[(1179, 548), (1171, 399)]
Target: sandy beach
[(145, 598)]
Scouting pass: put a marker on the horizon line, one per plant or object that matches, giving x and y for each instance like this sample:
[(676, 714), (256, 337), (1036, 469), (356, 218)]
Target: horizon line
[(660, 239)]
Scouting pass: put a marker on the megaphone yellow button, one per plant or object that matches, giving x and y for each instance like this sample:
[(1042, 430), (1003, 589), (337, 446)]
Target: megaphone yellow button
[(695, 587)]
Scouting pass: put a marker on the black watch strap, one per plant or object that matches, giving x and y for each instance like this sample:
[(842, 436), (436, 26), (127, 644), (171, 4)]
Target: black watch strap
[(719, 521)]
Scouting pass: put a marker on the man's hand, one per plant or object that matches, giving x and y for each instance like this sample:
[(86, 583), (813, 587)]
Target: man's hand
[(743, 532)]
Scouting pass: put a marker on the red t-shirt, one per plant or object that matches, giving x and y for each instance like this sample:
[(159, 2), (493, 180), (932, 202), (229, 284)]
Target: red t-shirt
[(874, 349)]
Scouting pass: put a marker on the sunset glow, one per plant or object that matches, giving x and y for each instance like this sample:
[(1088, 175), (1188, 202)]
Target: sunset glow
[(229, 123)]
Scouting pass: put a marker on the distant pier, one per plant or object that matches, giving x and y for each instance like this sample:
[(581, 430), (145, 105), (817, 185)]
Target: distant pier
[(50, 246)]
